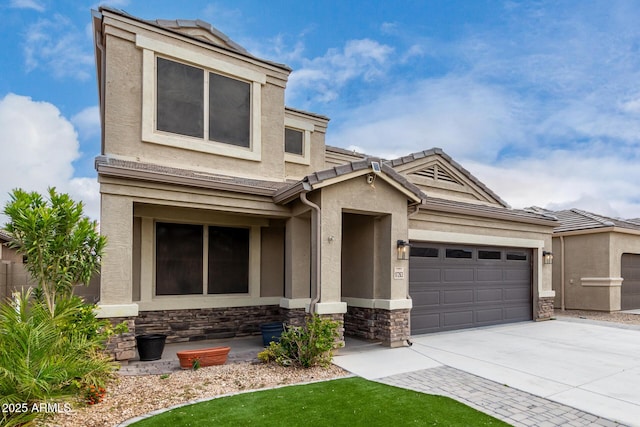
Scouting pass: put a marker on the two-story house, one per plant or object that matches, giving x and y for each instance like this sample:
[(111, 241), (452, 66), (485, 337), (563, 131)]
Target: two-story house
[(225, 209)]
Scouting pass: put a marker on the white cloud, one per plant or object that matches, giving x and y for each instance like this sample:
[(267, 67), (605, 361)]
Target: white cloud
[(38, 146), (595, 180), (28, 4), (321, 79), (87, 122), (454, 113), (55, 44)]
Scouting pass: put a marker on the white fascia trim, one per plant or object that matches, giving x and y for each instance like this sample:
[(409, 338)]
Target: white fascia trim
[(605, 282), (116, 310), (384, 304), (331, 308), (187, 55), (473, 239), (293, 303)]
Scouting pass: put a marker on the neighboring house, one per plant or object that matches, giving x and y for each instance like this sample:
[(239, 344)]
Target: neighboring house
[(596, 263), (13, 275), (225, 209)]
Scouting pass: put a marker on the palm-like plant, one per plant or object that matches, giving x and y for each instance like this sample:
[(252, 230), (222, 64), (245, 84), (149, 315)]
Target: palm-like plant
[(42, 358)]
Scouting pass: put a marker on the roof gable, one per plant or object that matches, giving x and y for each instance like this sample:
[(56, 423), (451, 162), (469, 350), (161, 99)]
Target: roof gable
[(348, 171), (201, 30), (439, 176)]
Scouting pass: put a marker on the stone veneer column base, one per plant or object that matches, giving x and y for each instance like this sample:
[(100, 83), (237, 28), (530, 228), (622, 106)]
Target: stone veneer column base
[(293, 316), (338, 317), (545, 308), (206, 323), (122, 347), (389, 326)]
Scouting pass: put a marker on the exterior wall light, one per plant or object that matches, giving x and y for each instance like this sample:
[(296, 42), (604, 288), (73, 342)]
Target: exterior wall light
[(547, 257), (403, 249)]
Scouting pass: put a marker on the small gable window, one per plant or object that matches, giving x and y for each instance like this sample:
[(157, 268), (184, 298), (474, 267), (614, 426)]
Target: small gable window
[(293, 141), (297, 140)]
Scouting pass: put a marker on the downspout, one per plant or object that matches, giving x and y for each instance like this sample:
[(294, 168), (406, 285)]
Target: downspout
[(316, 228), (101, 87), (562, 272)]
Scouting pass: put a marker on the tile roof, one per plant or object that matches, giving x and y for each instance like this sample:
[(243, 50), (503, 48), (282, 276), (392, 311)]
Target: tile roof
[(521, 215), (438, 151), (344, 151), (175, 25), (576, 219), (158, 173), (286, 194)]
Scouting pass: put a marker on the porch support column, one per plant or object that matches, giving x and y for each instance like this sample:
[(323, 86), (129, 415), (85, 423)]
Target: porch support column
[(116, 275), (297, 259)]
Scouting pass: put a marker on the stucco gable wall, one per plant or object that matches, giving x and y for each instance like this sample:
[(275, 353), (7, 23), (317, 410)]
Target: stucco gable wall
[(381, 200), (124, 100)]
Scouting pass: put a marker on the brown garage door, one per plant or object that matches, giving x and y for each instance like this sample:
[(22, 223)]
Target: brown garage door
[(631, 283), (455, 287)]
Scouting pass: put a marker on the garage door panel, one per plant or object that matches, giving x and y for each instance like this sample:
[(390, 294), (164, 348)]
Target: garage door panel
[(516, 314), (489, 275), (522, 275), (488, 315), (630, 291), (458, 275), (454, 293), (516, 294), (458, 296), (426, 322), (426, 274), (489, 295), (426, 298), (457, 319)]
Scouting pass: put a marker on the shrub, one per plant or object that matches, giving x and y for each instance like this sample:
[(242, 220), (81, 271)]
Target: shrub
[(43, 359), (306, 346)]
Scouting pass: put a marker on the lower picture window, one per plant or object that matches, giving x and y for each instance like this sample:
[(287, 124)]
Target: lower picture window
[(180, 259), (228, 260)]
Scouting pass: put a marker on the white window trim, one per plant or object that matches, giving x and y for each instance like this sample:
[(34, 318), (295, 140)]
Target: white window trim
[(306, 128), (150, 49)]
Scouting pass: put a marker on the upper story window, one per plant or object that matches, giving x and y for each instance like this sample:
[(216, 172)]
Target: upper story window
[(297, 141), (181, 99), (198, 102)]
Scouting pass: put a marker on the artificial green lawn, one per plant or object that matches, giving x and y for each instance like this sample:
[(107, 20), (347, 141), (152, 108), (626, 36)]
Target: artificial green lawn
[(343, 402)]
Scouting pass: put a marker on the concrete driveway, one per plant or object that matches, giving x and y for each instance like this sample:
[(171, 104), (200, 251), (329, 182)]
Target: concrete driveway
[(587, 366)]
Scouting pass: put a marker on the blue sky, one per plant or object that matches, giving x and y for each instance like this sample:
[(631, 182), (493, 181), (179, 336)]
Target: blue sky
[(540, 100)]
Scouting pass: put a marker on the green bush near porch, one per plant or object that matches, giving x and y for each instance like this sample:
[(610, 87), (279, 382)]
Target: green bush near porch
[(343, 402)]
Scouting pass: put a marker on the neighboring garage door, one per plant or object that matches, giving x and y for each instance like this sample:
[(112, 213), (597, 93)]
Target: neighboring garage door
[(455, 287), (631, 282)]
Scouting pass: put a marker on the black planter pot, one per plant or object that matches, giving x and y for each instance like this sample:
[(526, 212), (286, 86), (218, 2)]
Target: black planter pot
[(150, 346), (271, 332)]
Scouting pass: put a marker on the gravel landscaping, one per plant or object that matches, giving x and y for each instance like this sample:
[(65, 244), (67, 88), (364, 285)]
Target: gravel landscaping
[(131, 396)]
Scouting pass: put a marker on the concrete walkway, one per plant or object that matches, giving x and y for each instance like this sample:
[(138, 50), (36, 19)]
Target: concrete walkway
[(543, 374)]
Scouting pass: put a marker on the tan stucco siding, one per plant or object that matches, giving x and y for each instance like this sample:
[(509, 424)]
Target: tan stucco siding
[(622, 243), (123, 112), (272, 261), (587, 257), (356, 196)]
